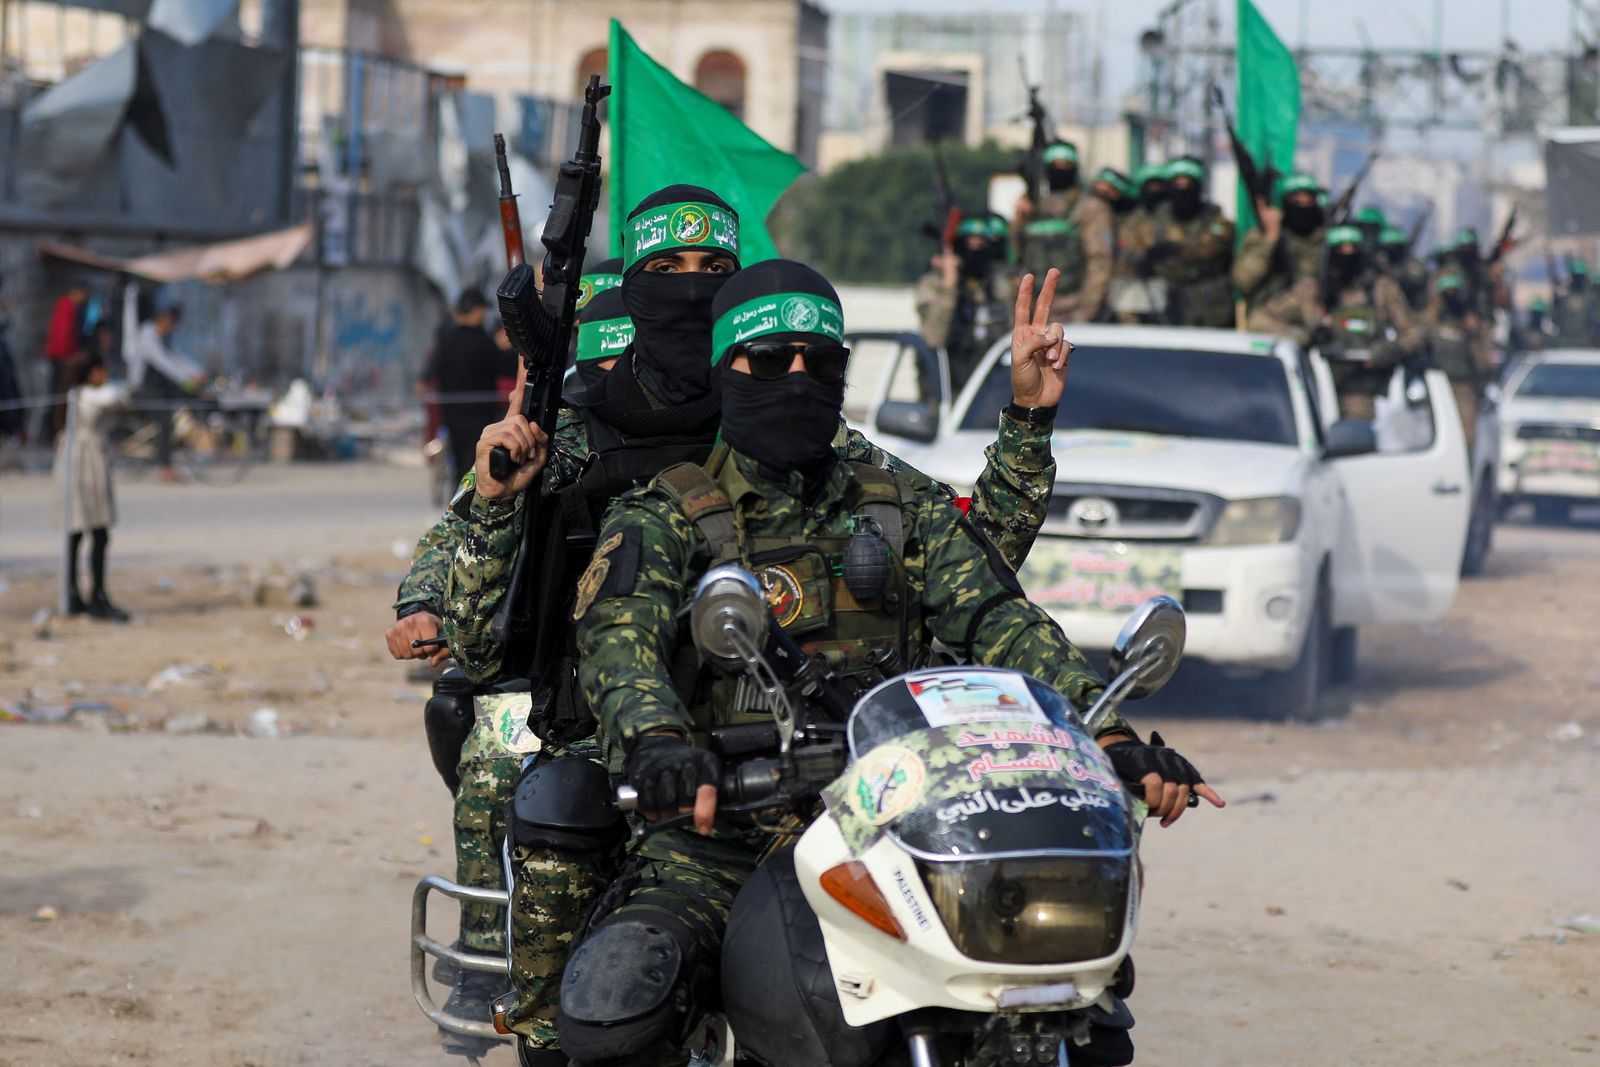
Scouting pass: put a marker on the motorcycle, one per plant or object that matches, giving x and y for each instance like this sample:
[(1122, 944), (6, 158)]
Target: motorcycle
[(964, 887)]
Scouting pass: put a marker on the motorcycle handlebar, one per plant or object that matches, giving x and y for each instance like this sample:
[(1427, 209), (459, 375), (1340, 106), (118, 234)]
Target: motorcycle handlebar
[(751, 782)]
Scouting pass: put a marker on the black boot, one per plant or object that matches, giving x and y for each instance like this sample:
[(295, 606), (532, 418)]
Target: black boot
[(75, 604), (100, 606), (472, 998)]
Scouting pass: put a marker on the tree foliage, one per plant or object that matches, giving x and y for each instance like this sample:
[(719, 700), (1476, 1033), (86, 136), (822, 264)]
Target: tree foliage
[(866, 221)]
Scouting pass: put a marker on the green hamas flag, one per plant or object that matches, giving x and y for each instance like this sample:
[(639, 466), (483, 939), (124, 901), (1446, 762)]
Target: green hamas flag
[(663, 132), (1268, 100)]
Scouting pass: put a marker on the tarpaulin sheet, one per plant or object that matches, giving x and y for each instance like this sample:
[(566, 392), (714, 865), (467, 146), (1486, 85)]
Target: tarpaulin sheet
[(1572, 179), (226, 261)]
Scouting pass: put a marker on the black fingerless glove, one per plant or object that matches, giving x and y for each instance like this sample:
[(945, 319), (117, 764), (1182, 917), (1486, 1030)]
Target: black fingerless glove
[(1132, 760), (667, 771)]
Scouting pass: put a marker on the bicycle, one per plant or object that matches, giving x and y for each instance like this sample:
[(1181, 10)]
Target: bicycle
[(212, 443)]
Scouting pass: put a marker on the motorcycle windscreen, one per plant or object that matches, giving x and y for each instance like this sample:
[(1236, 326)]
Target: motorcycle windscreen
[(955, 696), (1035, 910)]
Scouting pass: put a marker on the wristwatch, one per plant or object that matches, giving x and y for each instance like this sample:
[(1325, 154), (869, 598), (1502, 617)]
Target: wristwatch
[(1036, 418)]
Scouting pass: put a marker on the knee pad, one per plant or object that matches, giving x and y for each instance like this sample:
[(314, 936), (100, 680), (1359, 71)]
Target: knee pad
[(565, 803), (617, 993)]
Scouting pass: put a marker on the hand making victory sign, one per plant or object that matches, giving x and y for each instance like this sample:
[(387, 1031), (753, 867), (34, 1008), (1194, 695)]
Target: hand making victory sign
[(1039, 348)]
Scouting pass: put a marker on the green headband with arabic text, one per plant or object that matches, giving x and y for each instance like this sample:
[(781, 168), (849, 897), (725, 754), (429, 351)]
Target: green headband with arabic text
[(779, 313), (689, 226)]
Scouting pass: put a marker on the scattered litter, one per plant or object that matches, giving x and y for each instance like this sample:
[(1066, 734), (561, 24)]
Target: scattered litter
[(11, 713), (299, 627), (45, 914), (177, 674), (8, 656), (1456, 883), (400, 549), (1567, 731), (1258, 798), (1540, 934), (425, 840), (264, 723), (91, 707), (30, 812), (163, 585), (1503, 953), (41, 624), (1273, 909), (44, 714), (395, 857), (1580, 924), (188, 722), (303, 592)]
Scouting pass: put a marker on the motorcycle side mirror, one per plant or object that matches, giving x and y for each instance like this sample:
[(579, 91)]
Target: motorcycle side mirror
[(731, 625), (1144, 657), (728, 616)]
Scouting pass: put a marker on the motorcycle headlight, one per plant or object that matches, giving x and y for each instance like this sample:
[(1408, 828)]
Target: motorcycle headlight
[(1039, 910), (1261, 520)]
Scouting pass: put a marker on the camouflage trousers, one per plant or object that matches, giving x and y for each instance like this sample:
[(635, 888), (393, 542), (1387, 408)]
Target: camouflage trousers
[(690, 880), (553, 892), (1467, 398), (488, 775)]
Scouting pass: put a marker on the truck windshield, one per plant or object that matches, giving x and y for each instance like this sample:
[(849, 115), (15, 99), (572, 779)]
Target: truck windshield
[(1171, 391), (1577, 381)]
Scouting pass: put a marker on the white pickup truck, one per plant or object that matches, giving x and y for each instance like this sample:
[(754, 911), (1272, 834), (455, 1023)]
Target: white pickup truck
[(1208, 465), (1550, 432)]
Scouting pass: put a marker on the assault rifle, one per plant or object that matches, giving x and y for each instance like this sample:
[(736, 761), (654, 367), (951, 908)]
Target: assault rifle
[(946, 202), (1258, 183), (1505, 242), (540, 327), (1033, 162), (1341, 207)]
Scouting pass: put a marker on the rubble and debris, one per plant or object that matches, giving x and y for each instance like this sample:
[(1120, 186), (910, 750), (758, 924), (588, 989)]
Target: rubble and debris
[(1567, 731), (1579, 924), (264, 723), (178, 674)]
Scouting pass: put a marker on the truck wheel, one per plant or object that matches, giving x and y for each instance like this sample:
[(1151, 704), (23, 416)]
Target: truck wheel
[(1480, 532), (1298, 692), (1342, 657)]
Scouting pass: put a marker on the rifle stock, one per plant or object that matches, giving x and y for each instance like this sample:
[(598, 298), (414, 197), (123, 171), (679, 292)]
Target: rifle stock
[(540, 326)]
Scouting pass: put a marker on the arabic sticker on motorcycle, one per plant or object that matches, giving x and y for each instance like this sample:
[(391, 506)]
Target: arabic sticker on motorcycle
[(959, 698), (889, 781)]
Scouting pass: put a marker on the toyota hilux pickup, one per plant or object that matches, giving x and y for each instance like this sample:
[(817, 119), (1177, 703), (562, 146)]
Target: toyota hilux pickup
[(1211, 466)]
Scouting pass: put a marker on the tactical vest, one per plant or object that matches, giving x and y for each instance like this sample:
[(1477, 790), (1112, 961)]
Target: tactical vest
[(1452, 352), (805, 586), (1357, 332), (1054, 241)]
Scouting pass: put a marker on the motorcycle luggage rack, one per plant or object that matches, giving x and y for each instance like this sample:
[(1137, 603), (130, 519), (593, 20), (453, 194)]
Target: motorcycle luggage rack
[(423, 946)]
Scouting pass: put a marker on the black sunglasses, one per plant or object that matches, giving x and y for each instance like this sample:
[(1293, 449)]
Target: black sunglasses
[(771, 360)]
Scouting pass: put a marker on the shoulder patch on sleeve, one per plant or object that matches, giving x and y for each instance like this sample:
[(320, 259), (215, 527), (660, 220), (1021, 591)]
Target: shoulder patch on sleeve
[(612, 571)]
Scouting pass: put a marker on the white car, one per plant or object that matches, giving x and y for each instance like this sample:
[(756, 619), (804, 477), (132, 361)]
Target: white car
[(1208, 465), (1550, 432)]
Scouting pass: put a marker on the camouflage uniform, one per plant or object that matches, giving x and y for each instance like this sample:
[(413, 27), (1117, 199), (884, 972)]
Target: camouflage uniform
[(1371, 314), (988, 301), (1463, 348), (554, 888), (1577, 316), (946, 585), (1265, 269), (1075, 233), (1136, 235), (1196, 267), (486, 771)]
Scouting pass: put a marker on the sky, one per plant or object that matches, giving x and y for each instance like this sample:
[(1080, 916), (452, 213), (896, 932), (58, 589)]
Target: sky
[(1536, 25)]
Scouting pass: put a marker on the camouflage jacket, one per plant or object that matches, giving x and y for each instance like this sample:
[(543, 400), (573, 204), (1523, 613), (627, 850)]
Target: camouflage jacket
[(1196, 267), (1008, 505), (1262, 269), (651, 556), (937, 303), (1462, 347), (1085, 285), (1299, 312)]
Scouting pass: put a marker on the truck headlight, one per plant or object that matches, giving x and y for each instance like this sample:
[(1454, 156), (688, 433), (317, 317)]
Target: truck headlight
[(1261, 520)]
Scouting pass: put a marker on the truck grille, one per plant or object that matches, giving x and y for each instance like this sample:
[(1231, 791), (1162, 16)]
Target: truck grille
[(1555, 431), (1126, 513)]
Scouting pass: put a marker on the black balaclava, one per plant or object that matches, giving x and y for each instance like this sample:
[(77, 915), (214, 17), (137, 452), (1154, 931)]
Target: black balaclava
[(1061, 177), (788, 424), (1303, 219), (671, 313)]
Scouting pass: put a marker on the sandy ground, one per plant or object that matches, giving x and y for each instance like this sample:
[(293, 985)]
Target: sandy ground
[(181, 883)]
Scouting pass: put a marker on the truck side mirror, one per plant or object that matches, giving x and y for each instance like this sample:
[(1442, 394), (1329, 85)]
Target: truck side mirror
[(1350, 437)]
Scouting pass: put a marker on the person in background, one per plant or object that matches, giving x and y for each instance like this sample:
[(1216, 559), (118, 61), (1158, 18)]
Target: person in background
[(12, 419), (83, 465), (64, 349), (469, 367), (162, 375)]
